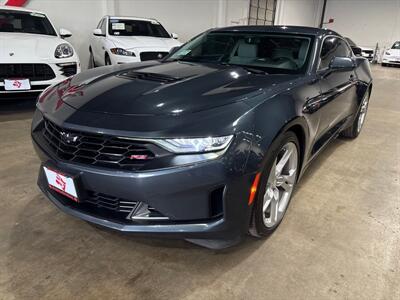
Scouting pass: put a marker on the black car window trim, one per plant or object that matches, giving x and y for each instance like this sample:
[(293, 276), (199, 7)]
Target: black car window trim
[(320, 50)]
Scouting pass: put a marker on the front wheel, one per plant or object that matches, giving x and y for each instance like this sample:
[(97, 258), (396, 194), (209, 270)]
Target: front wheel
[(107, 61), (276, 185), (92, 63)]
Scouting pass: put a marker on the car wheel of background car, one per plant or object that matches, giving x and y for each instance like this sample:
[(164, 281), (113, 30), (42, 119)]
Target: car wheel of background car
[(107, 60), (276, 185), (354, 130), (92, 63), (383, 65)]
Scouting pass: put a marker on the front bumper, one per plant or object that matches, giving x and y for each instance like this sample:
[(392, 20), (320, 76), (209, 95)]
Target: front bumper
[(184, 194), (391, 61), (39, 86)]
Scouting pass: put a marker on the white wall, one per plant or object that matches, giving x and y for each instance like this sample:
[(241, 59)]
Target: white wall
[(366, 22), (299, 12), (187, 18)]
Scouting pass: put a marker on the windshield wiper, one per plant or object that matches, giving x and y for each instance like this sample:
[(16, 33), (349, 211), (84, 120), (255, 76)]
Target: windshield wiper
[(247, 68)]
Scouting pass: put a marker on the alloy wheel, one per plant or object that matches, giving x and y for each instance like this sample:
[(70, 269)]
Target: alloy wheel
[(363, 113), (280, 185)]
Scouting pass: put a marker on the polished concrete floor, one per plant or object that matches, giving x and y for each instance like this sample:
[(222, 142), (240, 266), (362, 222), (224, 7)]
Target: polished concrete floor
[(340, 238)]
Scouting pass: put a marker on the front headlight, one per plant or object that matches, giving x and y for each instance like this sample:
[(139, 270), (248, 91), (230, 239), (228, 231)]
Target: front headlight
[(120, 51), (387, 53), (63, 51), (196, 145)]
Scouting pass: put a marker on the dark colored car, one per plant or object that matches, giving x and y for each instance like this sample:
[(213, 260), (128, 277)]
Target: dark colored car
[(206, 144)]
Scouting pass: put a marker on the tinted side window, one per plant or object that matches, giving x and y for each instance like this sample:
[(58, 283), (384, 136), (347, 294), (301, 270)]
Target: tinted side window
[(333, 47)]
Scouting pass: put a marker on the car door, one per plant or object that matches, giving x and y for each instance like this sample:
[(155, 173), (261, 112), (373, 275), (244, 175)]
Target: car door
[(98, 51), (338, 87)]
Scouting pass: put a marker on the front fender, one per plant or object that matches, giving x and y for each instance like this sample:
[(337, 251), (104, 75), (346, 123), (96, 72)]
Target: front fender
[(274, 117)]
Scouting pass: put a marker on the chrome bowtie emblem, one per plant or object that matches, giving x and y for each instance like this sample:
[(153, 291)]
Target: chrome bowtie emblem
[(69, 138), (11, 53)]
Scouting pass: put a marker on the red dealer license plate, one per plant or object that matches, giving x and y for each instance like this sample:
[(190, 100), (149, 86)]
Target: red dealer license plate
[(61, 183)]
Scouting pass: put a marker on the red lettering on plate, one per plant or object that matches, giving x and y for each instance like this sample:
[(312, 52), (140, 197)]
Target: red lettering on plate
[(17, 84), (61, 182)]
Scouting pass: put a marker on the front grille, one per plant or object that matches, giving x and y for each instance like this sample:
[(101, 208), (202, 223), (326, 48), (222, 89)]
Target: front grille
[(107, 207), (110, 202), (152, 55), (96, 149), (34, 72), (68, 69), (116, 204)]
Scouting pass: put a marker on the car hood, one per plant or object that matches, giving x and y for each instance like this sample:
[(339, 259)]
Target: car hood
[(393, 52), (169, 88), (133, 42), (22, 47)]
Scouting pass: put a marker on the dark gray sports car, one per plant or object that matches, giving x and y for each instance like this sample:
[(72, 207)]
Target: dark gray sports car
[(206, 144)]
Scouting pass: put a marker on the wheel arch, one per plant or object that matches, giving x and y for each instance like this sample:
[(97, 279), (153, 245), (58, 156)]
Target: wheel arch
[(299, 127)]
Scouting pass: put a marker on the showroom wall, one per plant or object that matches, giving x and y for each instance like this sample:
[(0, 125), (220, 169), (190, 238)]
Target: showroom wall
[(195, 16), (287, 12), (367, 22)]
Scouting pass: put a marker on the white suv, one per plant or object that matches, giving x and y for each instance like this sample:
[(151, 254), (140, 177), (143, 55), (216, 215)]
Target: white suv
[(118, 40), (33, 55)]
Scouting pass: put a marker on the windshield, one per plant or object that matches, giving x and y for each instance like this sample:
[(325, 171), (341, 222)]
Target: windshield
[(396, 45), (126, 27), (25, 22), (272, 53)]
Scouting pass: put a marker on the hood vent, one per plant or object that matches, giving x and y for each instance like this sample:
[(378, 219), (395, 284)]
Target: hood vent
[(149, 77)]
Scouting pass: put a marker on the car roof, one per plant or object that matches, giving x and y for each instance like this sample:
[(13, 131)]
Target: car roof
[(133, 18), (278, 29), (15, 8)]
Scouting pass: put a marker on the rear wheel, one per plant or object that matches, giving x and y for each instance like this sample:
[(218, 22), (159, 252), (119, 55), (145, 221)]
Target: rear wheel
[(354, 130), (276, 185)]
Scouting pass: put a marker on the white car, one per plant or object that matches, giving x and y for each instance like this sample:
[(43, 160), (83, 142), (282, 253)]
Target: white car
[(366, 52), (392, 55), (33, 55), (118, 40)]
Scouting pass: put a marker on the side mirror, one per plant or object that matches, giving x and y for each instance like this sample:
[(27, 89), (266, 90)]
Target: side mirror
[(64, 33), (342, 63), (356, 50), (174, 49), (98, 32), (174, 36)]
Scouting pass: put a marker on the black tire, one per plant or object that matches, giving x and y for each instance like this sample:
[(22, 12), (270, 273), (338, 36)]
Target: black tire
[(107, 60), (384, 65), (354, 130), (92, 63), (257, 227)]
